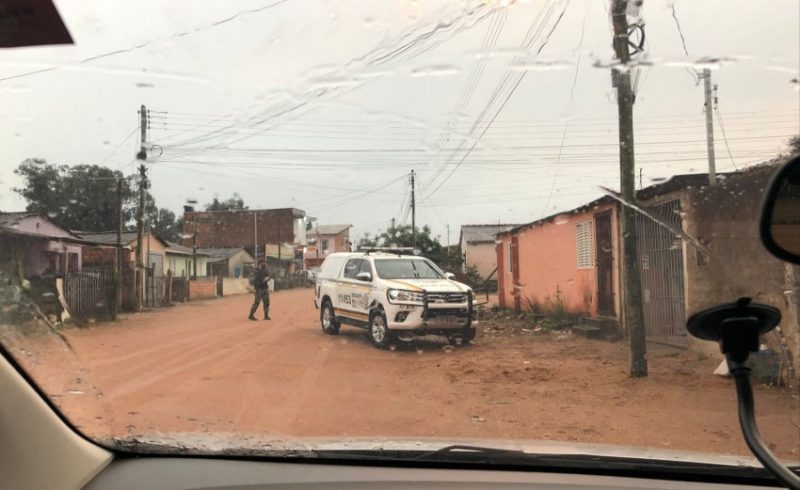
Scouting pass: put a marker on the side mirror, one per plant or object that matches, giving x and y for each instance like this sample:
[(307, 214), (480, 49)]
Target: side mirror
[(364, 276), (780, 214), (450, 275)]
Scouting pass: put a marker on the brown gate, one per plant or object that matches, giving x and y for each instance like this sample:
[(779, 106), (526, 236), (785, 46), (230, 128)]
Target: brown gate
[(661, 265), (605, 264), (90, 293), (515, 273)]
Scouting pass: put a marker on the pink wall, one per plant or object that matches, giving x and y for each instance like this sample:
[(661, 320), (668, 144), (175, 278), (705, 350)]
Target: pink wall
[(40, 226), (37, 261), (548, 263)]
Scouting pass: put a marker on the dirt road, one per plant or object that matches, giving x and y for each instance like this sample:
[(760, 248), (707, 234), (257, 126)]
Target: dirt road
[(203, 367)]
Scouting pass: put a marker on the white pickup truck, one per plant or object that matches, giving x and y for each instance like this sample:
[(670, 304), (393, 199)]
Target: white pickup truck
[(393, 296)]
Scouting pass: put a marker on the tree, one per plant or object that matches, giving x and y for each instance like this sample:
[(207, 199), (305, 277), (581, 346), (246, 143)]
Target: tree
[(794, 145), (82, 198), (400, 236), (234, 203)]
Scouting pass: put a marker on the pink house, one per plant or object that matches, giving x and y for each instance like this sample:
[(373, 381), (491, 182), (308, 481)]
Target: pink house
[(566, 260), (45, 246)]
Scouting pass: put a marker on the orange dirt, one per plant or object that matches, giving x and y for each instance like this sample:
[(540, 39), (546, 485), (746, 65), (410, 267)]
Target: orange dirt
[(203, 367)]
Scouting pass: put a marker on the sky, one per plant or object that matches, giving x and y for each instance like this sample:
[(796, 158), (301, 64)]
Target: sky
[(504, 110)]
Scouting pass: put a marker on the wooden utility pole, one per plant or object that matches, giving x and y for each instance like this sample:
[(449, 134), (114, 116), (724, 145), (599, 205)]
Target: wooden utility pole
[(447, 264), (631, 281), (413, 214), (142, 155), (255, 239), (712, 165)]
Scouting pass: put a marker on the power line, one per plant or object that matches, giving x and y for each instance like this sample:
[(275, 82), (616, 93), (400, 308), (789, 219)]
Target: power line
[(724, 136), (134, 131), (149, 43)]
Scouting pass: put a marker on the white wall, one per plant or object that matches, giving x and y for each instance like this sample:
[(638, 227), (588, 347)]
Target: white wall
[(232, 285), (484, 257)]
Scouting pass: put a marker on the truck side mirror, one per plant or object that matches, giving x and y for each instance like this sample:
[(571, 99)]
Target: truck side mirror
[(450, 275), (364, 276), (780, 213)]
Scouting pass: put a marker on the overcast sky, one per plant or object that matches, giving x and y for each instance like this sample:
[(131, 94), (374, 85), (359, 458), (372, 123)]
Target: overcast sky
[(327, 105)]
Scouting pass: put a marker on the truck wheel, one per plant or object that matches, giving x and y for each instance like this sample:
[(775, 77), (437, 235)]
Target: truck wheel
[(462, 338), (328, 319), (379, 330)]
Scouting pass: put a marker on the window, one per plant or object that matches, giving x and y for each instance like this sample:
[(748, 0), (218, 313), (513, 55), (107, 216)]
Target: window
[(406, 269), (351, 268), (584, 245), (324, 245)]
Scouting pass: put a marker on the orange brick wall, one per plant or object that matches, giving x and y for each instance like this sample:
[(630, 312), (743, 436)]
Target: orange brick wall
[(203, 288)]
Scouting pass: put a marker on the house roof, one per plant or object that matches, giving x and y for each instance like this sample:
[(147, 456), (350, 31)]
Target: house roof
[(675, 183), (475, 234), (177, 248), (553, 217), (127, 237), (223, 253), (330, 229), (10, 218)]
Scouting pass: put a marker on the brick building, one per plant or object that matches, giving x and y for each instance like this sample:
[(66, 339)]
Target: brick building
[(328, 239), (246, 229)]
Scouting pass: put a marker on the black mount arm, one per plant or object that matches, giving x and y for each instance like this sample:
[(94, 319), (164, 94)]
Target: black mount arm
[(737, 327)]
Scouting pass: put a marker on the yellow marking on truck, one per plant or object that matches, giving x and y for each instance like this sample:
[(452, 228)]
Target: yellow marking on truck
[(410, 286), (354, 314)]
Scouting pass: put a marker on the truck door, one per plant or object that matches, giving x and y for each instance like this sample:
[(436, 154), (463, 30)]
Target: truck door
[(353, 295)]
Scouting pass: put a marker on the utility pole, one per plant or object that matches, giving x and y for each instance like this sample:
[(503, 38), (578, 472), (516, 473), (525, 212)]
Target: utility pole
[(631, 281), (118, 279), (142, 155), (712, 165), (413, 215), (447, 262), (194, 247)]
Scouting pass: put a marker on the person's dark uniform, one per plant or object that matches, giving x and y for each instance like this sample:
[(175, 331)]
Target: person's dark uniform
[(261, 284)]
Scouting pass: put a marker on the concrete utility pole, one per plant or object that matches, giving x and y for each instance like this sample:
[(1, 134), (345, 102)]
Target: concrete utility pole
[(712, 164), (413, 215), (142, 155), (118, 268), (631, 281), (194, 247)]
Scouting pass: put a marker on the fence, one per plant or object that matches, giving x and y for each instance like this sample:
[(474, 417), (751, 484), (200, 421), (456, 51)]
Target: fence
[(90, 293), (179, 289), (661, 264)]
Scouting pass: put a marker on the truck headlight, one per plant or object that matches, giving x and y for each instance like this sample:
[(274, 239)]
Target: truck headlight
[(403, 296)]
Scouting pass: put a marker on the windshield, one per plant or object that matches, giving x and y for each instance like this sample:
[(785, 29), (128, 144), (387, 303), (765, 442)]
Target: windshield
[(406, 269), (593, 179)]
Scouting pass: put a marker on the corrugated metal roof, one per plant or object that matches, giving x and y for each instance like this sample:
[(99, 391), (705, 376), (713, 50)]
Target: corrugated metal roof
[(223, 253), (12, 217), (483, 233), (110, 238), (127, 237), (329, 229)]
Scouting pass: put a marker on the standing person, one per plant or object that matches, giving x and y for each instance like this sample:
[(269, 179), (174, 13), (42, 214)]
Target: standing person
[(261, 285)]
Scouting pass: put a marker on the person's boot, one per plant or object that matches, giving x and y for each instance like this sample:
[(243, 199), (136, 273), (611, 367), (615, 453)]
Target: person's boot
[(266, 316), (251, 317)]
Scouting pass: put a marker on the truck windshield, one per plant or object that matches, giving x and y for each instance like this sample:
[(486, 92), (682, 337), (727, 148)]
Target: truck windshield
[(406, 269)]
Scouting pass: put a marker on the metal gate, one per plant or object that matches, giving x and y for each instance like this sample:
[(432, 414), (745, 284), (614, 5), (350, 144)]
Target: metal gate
[(605, 264), (89, 293), (661, 267)]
